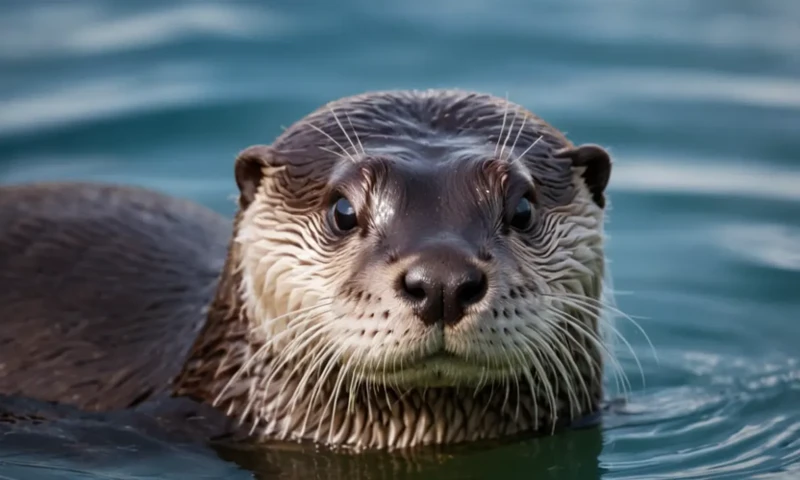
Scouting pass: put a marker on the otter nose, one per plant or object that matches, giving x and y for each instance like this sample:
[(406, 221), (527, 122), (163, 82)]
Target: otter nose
[(441, 284)]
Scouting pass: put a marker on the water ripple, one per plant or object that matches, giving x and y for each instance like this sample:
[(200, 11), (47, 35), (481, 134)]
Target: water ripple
[(763, 181), (158, 88), (699, 102), (773, 245), (94, 28), (731, 422)]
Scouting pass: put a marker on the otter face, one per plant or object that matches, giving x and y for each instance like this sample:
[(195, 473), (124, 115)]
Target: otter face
[(396, 241)]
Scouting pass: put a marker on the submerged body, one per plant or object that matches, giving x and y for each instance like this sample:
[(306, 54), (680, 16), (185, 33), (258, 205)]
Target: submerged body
[(404, 269), (103, 289)]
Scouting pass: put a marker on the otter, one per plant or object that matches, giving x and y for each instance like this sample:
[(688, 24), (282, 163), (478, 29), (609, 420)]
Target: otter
[(404, 268)]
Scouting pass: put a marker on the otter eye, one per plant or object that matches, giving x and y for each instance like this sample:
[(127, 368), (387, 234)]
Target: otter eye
[(343, 215), (523, 214)]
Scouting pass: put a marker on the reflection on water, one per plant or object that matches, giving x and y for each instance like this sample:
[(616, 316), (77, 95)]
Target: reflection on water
[(563, 457), (59, 442), (699, 102)]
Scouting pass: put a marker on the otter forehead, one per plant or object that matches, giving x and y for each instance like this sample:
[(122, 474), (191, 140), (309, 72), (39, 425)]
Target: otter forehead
[(398, 121), (428, 141)]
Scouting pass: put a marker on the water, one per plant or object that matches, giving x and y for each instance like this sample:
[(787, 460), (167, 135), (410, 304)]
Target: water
[(698, 101)]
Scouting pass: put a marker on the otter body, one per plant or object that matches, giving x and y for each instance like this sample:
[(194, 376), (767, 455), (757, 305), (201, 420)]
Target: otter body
[(102, 290), (405, 268)]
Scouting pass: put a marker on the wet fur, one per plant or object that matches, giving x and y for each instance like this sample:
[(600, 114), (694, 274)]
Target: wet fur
[(102, 290), (305, 337)]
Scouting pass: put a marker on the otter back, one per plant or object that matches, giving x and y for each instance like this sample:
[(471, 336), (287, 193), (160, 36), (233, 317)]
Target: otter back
[(102, 290)]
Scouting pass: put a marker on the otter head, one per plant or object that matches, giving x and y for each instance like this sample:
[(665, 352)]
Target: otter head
[(426, 241)]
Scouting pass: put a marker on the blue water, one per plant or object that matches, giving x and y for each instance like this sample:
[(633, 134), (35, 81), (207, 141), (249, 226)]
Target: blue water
[(699, 103)]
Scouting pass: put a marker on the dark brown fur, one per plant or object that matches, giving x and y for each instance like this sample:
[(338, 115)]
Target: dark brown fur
[(102, 290)]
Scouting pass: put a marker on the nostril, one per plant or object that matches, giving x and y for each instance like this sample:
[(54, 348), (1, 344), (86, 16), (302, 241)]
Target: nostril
[(413, 286), (472, 290), (417, 293)]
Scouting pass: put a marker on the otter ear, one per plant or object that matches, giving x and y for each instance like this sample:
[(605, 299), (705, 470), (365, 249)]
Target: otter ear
[(597, 168), (249, 171)]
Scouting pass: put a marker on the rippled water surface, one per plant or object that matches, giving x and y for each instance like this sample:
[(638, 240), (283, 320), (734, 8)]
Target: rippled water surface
[(698, 101)]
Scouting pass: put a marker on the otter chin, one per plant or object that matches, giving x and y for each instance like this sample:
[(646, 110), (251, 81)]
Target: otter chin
[(438, 370), (406, 268)]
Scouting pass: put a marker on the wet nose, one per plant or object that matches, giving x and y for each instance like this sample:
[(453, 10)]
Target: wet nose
[(441, 284)]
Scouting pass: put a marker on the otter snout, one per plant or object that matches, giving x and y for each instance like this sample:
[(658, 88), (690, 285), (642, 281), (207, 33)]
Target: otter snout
[(441, 284)]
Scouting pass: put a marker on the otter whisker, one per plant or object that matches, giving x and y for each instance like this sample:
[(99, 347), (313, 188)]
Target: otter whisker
[(523, 370), (252, 358), (308, 316), (325, 357), (370, 414), (344, 150), (262, 325), (404, 394), (531, 384), (564, 371), (518, 158), (559, 366), (341, 127), (553, 410), (565, 350), (322, 364), (503, 126), (532, 343), (507, 388), (492, 386), (572, 303), (297, 343), (335, 393), (356, 379), (290, 353), (578, 324), (556, 340), (332, 362), (332, 152), (355, 132), (508, 135), (310, 370), (592, 363), (372, 391), (596, 342), (394, 369), (605, 306), (511, 368), (385, 357), (519, 131), (299, 346), (481, 379), (255, 424), (520, 364), (251, 401)]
